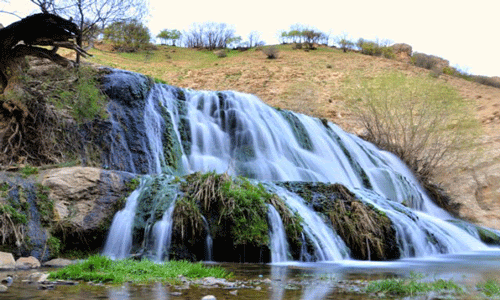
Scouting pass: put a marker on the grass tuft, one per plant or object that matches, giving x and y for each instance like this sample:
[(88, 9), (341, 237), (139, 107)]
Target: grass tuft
[(412, 286), (99, 268)]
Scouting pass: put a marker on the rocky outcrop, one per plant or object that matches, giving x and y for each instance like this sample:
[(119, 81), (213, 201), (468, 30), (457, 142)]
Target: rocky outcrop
[(85, 198), (7, 261)]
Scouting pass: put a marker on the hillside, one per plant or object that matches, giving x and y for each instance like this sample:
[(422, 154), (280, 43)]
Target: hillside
[(311, 82)]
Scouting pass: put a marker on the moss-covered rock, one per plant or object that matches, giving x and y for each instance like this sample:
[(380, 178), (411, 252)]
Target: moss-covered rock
[(367, 232)]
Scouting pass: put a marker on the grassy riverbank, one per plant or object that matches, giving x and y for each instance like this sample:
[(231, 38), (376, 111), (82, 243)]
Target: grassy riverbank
[(102, 269)]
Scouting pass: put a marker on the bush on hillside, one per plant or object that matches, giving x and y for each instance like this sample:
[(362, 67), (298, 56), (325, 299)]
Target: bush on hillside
[(426, 123), (429, 62), (221, 53), (271, 52), (487, 81), (127, 36), (375, 49)]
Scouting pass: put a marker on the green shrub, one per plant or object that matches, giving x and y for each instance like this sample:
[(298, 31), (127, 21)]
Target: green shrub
[(425, 122), (127, 36)]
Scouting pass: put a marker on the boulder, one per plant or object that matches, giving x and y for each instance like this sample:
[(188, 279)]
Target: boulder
[(7, 261), (58, 263), (85, 198), (25, 263)]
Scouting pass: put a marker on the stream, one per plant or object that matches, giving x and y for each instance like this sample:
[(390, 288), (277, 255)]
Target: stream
[(297, 280)]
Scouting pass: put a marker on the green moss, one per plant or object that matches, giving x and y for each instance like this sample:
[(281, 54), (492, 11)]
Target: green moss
[(488, 236), (28, 170), (133, 184), (298, 129), (102, 269), (44, 204), (13, 214)]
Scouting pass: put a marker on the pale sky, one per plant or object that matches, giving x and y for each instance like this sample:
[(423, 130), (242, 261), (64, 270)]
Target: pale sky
[(463, 32)]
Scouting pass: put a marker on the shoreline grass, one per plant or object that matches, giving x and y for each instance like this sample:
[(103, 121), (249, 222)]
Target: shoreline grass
[(99, 268)]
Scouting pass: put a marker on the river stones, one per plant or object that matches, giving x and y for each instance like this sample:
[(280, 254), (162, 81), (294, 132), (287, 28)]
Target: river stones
[(25, 263)]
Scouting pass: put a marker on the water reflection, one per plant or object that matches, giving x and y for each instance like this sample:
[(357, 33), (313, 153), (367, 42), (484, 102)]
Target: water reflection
[(119, 293)]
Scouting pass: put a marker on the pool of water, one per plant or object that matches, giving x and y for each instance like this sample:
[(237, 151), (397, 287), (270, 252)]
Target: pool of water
[(295, 280)]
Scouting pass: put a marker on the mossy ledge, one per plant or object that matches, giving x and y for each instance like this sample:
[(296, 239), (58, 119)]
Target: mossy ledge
[(234, 210), (367, 232)]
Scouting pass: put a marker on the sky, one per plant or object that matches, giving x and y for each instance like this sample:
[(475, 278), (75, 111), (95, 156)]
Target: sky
[(463, 32)]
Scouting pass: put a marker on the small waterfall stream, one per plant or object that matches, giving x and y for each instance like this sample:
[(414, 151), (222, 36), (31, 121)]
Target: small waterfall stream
[(278, 243), (119, 240), (184, 131)]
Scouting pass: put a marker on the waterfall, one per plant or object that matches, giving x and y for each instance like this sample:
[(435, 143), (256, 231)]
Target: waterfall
[(278, 244), (119, 240), (208, 241), (177, 131), (162, 232)]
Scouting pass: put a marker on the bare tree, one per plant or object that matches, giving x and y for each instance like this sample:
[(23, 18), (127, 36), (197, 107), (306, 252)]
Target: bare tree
[(253, 39), (92, 14), (209, 35)]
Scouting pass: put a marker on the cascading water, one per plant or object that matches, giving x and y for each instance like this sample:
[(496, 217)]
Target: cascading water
[(119, 241), (278, 243), (184, 131), (162, 232)]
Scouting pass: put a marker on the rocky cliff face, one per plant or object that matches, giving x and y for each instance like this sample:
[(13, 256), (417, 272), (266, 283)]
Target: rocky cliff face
[(60, 209)]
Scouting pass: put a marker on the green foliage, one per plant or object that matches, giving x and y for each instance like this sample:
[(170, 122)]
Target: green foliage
[(14, 215), (54, 245), (423, 121), (236, 203), (248, 211), (102, 269), (490, 288), (28, 170), (127, 36), (84, 99), (375, 49), (169, 35), (411, 286), (44, 205)]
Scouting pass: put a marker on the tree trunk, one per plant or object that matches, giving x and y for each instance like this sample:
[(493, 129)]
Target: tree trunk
[(19, 39)]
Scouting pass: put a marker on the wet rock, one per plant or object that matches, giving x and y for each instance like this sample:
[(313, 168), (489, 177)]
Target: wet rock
[(7, 281), (7, 261), (3, 288), (25, 263), (176, 294), (209, 297), (58, 263), (235, 292)]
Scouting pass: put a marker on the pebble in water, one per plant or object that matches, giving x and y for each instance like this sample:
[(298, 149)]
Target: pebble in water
[(209, 297)]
